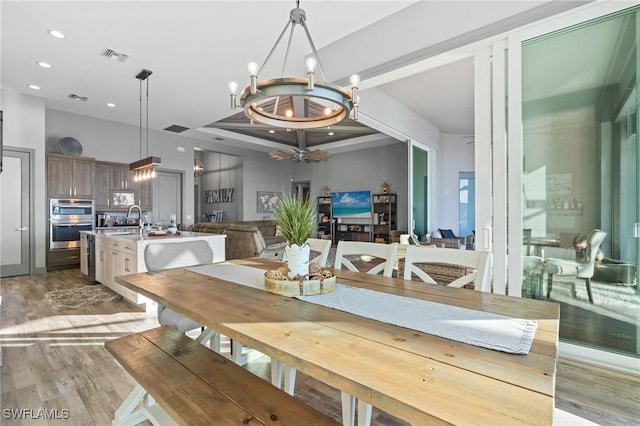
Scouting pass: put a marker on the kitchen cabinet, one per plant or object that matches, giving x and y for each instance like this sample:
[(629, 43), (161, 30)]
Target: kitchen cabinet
[(84, 254), (70, 177), (114, 258), (103, 185), (63, 258), (122, 177), (118, 255), (117, 178), (144, 192), (104, 261)]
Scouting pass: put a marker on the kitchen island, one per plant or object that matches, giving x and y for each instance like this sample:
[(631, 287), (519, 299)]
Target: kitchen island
[(122, 252)]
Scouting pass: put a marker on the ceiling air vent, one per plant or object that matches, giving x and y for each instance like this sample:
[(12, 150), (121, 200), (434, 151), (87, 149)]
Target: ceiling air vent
[(176, 128), (78, 98), (114, 56)]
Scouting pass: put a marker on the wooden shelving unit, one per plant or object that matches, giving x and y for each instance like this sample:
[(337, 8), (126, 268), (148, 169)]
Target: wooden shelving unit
[(324, 210), (384, 217)]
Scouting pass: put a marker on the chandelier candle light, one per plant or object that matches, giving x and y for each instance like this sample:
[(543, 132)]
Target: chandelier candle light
[(296, 103), (145, 168)]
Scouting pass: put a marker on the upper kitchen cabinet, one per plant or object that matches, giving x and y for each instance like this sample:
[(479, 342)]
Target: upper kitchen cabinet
[(145, 194), (116, 189), (70, 177), (103, 185)]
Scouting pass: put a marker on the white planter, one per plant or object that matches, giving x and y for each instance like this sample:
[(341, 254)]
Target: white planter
[(297, 260)]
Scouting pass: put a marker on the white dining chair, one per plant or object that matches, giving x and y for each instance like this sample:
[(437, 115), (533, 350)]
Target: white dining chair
[(158, 256), (321, 246), (477, 261), (369, 252), (316, 245), (386, 255)]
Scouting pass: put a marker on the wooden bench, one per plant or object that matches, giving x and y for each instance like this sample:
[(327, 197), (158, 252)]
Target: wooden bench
[(195, 385)]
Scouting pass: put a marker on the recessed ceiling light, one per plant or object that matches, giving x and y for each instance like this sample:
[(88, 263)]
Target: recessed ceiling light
[(44, 64), (55, 33), (34, 87), (272, 131), (331, 133), (111, 105)]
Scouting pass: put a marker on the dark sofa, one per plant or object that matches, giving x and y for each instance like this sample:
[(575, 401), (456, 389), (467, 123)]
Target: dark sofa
[(246, 239)]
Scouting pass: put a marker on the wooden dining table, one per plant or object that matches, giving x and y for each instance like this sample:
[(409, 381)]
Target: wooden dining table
[(418, 377)]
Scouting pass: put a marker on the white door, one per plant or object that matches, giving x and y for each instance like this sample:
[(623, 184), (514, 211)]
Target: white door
[(15, 204), (167, 198)]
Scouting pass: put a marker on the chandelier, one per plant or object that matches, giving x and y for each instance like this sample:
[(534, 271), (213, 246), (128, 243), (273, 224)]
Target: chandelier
[(145, 168), (294, 102)]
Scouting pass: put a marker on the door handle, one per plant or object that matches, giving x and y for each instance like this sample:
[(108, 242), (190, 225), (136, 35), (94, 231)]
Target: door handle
[(24, 228)]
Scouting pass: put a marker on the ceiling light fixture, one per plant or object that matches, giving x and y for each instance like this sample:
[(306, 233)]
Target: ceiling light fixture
[(111, 105), (56, 34), (44, 65), (145, 168), (34, 87), (293, 102)]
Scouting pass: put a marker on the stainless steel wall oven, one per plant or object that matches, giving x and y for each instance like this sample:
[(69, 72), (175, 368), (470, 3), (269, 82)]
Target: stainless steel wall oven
[(67, 217)]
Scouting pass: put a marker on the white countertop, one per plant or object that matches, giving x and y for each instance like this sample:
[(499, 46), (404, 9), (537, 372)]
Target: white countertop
[(147, 237)]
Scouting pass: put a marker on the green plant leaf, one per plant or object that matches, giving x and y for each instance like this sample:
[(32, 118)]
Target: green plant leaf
[(295, 218)]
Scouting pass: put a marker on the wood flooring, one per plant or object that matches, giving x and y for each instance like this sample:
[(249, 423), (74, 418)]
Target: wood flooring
[(55, 365)]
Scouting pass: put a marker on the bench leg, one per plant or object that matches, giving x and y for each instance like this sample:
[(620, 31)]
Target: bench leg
[(211, 337), (289, 379), (236, 353), (349, 411), (127, 414), (276, 373), (289, 376), (364, 413)]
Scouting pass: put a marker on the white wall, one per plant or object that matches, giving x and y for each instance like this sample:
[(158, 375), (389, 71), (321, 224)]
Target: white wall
[(24, 127), (456, 155), (385, 114)]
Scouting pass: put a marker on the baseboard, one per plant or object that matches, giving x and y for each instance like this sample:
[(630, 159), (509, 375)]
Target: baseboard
[(623, 363)]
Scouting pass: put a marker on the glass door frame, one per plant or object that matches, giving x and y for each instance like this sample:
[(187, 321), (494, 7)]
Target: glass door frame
[(503, 143), (431, 182)]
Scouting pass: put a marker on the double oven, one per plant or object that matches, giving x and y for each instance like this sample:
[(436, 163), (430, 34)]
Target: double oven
[(67, 217)]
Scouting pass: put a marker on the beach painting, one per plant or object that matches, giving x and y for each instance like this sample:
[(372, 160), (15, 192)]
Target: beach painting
[(351, 205)]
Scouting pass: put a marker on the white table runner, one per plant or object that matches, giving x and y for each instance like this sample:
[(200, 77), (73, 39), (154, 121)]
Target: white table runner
[(477, 328)]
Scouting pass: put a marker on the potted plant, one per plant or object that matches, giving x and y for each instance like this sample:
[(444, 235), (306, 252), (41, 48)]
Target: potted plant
[(296, 220)]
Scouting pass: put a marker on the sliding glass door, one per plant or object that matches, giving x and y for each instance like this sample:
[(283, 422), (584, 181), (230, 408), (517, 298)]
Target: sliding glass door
[(580, 179)]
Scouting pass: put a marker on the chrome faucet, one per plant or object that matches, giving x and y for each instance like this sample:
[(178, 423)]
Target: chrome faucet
[(140, 223)]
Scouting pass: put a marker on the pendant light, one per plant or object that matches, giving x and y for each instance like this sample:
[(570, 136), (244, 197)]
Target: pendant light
[(145, 168)]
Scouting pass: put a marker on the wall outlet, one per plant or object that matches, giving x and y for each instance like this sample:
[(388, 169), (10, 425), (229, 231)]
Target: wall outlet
[(181, 149)]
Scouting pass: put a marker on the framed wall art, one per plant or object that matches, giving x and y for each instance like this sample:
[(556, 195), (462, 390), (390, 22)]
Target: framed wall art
[(266, 200)]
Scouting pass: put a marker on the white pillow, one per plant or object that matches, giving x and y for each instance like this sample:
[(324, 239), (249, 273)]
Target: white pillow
[(436, 234)]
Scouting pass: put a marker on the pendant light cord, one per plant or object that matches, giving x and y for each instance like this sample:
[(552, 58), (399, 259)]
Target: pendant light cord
[(140, 115), (147, 124)]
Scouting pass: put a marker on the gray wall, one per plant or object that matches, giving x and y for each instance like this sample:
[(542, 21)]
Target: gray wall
[(364, 169)]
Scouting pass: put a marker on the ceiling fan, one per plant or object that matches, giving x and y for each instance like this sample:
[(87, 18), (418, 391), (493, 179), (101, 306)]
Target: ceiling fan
[(301, 153)]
